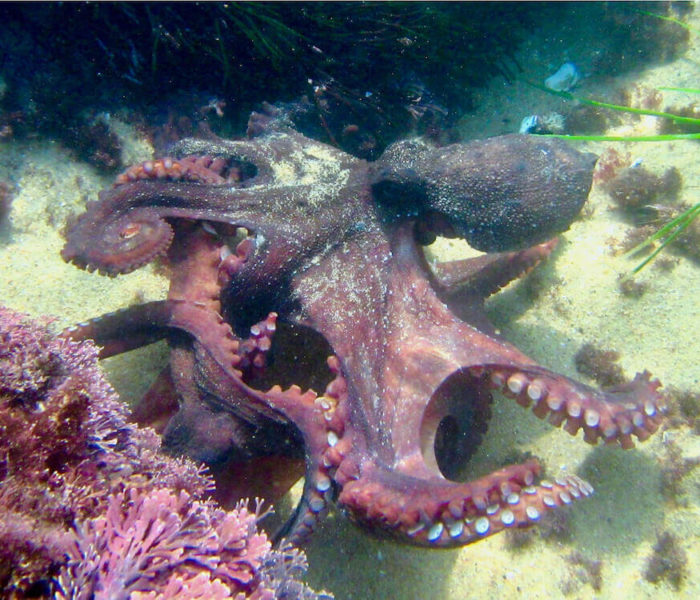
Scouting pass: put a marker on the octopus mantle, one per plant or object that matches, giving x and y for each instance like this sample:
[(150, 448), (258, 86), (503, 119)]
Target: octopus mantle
[(296, 266)]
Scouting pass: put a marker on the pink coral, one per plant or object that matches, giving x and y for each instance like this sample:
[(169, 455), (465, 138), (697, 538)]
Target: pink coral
[(163, 543), (89, 507)]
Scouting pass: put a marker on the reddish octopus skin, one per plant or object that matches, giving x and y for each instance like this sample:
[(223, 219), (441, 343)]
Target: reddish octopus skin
[(334, 270)]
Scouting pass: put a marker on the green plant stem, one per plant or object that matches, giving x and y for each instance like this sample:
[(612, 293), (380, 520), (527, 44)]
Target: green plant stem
[(669, 19), (676, 226), (618, 107), (666, 137), (680, 89), (668, 232)]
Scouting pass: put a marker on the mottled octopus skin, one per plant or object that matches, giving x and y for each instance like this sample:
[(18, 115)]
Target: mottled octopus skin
[(329, 289)]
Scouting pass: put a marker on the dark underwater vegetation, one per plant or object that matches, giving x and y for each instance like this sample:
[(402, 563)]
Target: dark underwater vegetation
[(90, 89)]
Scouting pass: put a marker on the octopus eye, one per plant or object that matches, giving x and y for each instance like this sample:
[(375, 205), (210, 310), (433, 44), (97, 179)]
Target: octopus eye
[(130, 231)]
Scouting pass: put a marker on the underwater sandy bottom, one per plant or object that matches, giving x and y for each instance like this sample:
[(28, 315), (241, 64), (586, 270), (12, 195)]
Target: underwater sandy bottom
[(580, 302)]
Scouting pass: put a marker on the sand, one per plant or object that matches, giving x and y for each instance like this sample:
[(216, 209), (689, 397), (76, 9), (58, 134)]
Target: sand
[(580, 302)]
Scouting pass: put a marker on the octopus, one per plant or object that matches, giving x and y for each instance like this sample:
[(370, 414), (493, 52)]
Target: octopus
[(306, 326)]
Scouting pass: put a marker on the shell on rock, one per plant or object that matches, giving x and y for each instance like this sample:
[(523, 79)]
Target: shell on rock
[(566, 77)]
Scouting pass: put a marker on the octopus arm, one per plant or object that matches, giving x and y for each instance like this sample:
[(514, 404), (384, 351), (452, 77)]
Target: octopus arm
[(440, 513)]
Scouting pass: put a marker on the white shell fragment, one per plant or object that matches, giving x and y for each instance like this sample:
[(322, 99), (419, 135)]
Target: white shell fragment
[(549, 123), (528, 124), (564, 79)]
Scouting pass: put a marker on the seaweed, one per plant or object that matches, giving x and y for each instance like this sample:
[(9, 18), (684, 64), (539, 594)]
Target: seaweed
[(631, 288), (668, 561), (674, 469), (6, 197), (398, 62), (648, 199), (682, 124), (637, 190), (91, 507), (555, 526), (589, 570), (664, 236), (683, 408), (666, 137), (600, 365)]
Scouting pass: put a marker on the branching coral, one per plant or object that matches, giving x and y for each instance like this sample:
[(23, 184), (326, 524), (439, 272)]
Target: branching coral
[(157, 543), (89, 507)]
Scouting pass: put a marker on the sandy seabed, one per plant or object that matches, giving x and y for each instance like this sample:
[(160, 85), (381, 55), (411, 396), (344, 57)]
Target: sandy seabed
[(580, 303)]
